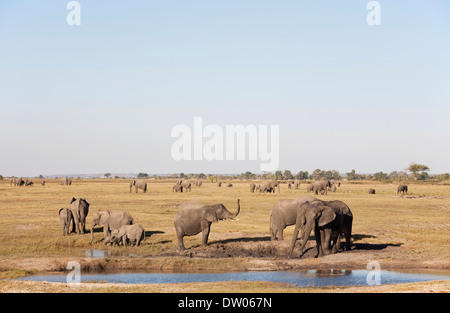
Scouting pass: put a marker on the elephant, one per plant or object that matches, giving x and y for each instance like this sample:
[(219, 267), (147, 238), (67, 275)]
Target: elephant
[(321, 186), (66, 218), (197, 183), (65, 181), (80, 209), (402, 189), (219, 184), (177, 188), (252, 187), (192, 221), (17, 182), (138, 184), (269, 186), (371, 191), (43, 183), (333, 188), (284, 213), (110, 220), (329, 219), (296, 184), (229, 185), (186, 186), (309, 188), (127, 233)]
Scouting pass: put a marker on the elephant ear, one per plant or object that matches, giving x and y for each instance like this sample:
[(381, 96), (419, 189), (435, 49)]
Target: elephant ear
[(326, 217), (210, 216)]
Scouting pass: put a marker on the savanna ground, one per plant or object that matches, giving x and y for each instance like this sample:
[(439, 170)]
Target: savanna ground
[(400, 232)]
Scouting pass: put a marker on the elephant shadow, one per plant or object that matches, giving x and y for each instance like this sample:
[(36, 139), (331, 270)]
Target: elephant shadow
[(242, 239), (370, 246), (149, 233)]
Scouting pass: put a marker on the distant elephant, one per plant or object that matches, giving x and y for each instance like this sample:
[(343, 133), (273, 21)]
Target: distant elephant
[(329, 219), (284, 213), (80, 209), (229, 185), (269, 186), (43, 183), (190, 222), (296, 184), (127, 233), (289, 185), (17, 182), (309, 188), (402, 189), (138, 184), (186, 186), (252, 187), (371, 191), (197, 183), (110, 220), (333, 188), (177, 188), (219, 184), (66, 218), (321, 186), (28, 183), (65, 181)]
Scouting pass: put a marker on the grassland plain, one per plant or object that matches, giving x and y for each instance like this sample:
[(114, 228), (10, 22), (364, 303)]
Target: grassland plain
[(400, 232)]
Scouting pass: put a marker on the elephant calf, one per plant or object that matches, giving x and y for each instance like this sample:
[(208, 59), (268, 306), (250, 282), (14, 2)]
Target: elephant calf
[(371, 191), (66, 218), (127, 233)]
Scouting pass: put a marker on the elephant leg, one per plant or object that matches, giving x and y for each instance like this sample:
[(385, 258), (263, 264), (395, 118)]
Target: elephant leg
[(205, 234), (319, 235), (280, 234), (294, 239), (181, 246)]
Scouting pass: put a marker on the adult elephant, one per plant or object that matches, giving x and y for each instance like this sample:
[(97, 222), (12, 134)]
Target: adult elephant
[(252, 187), (329, 219), (110, 220), (192, 221), (269, 186), (138, 184), (80, 210), (186, 185), (371, 191), (402, 189), (283, 214), (322, 186), (17, 182)]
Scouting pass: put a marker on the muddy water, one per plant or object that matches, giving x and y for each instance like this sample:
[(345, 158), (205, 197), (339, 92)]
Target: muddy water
[(302, 279)]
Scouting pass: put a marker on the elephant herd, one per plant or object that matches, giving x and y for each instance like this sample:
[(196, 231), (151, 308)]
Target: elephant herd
[(118, 227), (329, 219)]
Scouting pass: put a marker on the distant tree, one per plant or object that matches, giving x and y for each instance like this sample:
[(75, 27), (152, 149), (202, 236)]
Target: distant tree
[(278, 175), (182, 175), (415, 168), (201, 175), (288, 175), (142, 175), (107, 175), (380, 176), (302, 175)]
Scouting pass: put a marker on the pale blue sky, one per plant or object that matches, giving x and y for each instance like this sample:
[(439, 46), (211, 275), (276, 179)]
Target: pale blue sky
[(104, 96)]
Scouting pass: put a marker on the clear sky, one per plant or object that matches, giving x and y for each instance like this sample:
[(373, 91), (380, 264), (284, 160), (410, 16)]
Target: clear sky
[(104, 96)]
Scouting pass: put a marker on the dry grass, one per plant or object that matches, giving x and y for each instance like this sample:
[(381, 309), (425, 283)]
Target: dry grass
[(418, 224)]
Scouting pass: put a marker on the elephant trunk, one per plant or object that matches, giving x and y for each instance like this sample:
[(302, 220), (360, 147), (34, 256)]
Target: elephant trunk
[(238, 209), (306, 233)]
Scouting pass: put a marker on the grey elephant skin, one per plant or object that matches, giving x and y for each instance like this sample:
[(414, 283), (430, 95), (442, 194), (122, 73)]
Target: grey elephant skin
[(269, 186), (110, 220), (322, 186), (192, 221), (80, 210), (128, 233), (65, 218), (283, 214), (139, 184), (371, 191), (402, 189), (329, 219)]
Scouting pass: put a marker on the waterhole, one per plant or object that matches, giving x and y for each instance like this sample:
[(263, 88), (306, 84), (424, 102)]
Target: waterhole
[(302, 278)]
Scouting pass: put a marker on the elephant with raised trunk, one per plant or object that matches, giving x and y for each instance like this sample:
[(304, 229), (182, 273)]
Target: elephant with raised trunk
[(110, 220), (329, 219), (284, 213), (138, 184), (80, 209), (192, 221)]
